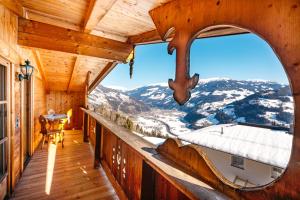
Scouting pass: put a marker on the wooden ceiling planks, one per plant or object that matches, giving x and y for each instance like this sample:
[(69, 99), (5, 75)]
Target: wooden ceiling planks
[(67, 10), (134, 17), (57, 68), (84, 65), (97, 9)]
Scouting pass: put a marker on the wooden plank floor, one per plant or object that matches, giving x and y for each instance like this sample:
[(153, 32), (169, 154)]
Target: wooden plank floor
[(68, 173)]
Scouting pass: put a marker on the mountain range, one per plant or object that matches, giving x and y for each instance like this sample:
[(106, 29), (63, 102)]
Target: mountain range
[(213, 101)]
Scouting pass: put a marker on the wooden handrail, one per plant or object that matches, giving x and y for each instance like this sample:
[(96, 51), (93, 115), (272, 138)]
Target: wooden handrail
[(187, 184)]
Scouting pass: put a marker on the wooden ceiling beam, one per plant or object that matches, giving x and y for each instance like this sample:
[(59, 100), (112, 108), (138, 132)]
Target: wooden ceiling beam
[(103, 73), (97, 9), (39, 35), (153, 36), (75, 65), (40, 67), (13, 5), (49, 19)]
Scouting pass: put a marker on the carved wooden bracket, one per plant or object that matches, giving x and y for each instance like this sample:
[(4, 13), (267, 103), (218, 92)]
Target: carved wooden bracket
[(276, 21), (183, 83)]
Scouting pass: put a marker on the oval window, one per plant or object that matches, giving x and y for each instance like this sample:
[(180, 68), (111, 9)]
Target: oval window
[(240, 114)]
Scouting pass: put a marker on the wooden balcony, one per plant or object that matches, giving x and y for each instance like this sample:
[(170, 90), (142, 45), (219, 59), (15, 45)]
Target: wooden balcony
[(64, 173)]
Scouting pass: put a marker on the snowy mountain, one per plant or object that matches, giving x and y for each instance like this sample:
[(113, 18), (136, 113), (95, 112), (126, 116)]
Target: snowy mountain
[(213, 101), (117, 100)]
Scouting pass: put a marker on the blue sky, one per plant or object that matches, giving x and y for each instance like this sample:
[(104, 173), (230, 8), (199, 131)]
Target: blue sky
[(239, 57)]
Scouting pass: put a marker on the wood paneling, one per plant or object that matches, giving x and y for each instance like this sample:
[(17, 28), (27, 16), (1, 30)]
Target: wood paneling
[(61, 102), (73, 175), (57, 9), (134, 22), (39, 108), (8, 35)]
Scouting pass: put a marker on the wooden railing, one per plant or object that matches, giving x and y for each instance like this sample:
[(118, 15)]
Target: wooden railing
[(136, 169)]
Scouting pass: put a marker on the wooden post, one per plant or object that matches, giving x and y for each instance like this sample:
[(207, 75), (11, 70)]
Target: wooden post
[(85, 127), (97, 145)]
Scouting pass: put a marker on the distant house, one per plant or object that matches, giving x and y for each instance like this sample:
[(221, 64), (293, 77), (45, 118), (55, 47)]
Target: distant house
[(246, 155)]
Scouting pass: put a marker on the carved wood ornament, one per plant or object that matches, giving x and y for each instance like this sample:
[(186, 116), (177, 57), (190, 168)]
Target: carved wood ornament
[(277, 22)]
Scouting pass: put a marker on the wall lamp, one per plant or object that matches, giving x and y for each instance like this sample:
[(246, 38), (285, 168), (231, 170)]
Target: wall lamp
[(26, 71)]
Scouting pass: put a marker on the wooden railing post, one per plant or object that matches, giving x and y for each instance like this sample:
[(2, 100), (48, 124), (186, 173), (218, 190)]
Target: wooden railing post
[(97, 145), (85, 127)]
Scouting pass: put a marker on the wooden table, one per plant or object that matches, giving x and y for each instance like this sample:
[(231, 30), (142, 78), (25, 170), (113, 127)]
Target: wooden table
[(52, 118)]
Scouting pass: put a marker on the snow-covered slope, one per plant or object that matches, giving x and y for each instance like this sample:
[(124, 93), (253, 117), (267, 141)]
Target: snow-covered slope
[(223, 100), (213, 101)]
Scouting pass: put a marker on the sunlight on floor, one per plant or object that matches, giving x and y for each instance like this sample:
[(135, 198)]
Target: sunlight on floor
[(50, 167)]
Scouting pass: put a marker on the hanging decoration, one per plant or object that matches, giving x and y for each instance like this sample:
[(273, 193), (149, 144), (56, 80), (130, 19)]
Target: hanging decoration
[(131, 62)]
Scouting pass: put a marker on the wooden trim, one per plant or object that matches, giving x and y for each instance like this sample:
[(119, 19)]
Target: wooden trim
[(75, 65), (97, 9), (7, 139), (14, 6), (153, 36), (49, 19), (3, 140), (45, 36), (40, 66), (121, 194), (102, 75)]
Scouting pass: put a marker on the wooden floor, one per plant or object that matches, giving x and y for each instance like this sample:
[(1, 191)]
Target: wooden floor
[(71, 176)]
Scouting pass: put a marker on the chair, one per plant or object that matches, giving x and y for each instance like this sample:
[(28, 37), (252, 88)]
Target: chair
[(50, 133)]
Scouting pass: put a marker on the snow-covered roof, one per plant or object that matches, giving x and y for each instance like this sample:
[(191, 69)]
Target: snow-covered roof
[(260, 144)]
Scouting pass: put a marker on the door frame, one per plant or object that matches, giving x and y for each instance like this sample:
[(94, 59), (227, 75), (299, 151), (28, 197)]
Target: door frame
[(7, 177), (29, 120)]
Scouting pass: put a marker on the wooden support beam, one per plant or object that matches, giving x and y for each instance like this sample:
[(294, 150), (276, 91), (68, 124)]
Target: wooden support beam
[(87, 82), (102, 75), (13, 5), (97, 9), (153, 36), (40, 67), (45, 36), (75, 65)]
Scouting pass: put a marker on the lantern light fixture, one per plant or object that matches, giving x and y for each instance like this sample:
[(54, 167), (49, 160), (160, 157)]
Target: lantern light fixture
[(26, 71)]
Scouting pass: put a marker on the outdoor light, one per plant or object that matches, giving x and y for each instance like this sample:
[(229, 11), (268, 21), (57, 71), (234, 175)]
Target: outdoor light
[(26, 71)]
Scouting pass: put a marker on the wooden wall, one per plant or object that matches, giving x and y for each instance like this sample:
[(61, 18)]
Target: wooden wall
[(16, 55), (40, 107), (61, 102)]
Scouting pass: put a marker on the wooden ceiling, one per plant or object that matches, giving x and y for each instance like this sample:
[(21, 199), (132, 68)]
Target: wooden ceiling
[(77, 36)]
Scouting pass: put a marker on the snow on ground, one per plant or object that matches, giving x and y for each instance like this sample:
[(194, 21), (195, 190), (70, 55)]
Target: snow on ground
[(269, 103), (150, 124), (150, 92), (288, 107), (154, 140), (158, 96), (261, 144), (209, 120)]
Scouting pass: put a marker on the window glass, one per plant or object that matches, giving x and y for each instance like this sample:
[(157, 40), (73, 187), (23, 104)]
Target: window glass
[(276, 172), (2, 83), (3, 124), (2, 160), (237, 162)]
